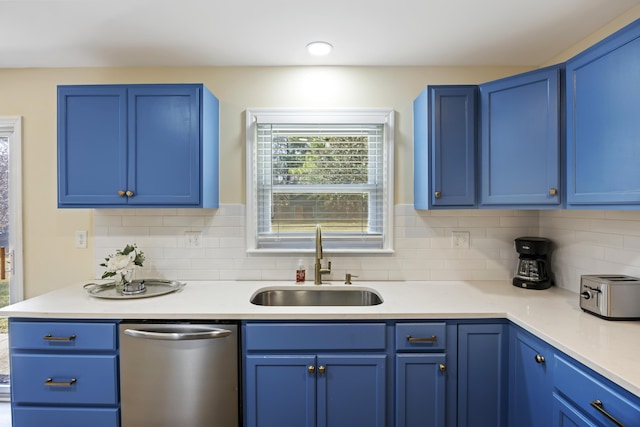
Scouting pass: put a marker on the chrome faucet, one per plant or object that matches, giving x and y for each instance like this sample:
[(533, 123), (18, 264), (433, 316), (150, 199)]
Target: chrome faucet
[(319, 271)]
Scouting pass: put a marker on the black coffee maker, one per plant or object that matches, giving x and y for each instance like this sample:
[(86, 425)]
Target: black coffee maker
[(533, 270)]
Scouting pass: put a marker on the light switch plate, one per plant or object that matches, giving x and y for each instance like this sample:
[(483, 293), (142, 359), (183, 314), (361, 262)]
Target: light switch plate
[(81, 239)]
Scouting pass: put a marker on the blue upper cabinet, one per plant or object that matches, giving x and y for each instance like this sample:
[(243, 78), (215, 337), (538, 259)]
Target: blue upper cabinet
[(603, 123), (444, 123), (137, 146), (520, 141)]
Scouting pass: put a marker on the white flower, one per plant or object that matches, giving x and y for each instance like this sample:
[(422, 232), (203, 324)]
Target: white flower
[(121, 262)]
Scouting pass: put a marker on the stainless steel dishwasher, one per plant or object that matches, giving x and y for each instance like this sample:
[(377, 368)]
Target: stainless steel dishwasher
[(179, 374)]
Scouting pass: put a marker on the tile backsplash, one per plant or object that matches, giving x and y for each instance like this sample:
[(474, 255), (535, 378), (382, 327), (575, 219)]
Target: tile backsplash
[(586, 242)]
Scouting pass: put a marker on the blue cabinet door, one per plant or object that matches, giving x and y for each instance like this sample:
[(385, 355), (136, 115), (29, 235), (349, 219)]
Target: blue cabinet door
[(164, 144), (280, 390), (351, 390), (482, 374), (564, 414), (67, 379), (92, 144), (603, 130), (33, 416), (520, 140), (530, 381), (420, 390), (444, 120)]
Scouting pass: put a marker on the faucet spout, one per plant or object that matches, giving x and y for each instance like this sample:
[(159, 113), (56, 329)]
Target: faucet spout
[(318, 242), (319, 271)]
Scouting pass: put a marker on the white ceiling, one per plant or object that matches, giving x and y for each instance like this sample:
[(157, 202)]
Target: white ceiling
[(99, 33)]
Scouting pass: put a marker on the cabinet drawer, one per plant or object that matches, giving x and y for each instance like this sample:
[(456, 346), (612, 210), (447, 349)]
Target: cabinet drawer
[(64, 379), (62, 336), (583, 388), (421, 336), (315, 336), (66, 417)]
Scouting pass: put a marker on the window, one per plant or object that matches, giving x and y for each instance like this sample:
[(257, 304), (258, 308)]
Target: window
[(333, 168)]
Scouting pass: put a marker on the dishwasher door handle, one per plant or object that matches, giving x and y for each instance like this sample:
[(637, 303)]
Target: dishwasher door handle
[(179, 336)]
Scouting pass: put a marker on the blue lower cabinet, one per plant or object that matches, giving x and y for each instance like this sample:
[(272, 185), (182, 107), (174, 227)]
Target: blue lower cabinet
[(315, 390), (351, 390), (591, 397), (482, 374), (530, 380), (280, 390), (64, 379), (65, 417), (64, 374), (420, 390), (308, 374), (565, 415)]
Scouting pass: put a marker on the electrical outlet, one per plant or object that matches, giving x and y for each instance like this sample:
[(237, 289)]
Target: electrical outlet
[(460, 239), (193, 239), (81, 239)]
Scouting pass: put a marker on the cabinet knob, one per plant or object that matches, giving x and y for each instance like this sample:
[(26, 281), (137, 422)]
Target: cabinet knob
[(553, 192), (321, 369), (311, 369), (442, 367), (437, 194), (129, 193), (539, 358), (121, 193)]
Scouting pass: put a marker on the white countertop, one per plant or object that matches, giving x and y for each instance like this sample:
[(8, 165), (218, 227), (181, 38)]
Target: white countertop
[(608, 347)]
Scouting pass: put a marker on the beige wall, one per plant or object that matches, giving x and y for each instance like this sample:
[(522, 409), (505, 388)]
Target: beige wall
[(51, 261)]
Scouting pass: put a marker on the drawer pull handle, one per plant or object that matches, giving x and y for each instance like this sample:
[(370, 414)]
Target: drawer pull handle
[(600, 407), (442, 367), (432, 338), (51, 383), (311, 369), (49, 337), (322, 369), (539, 358)]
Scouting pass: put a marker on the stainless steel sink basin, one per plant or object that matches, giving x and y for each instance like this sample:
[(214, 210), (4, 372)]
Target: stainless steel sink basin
[(316, 297)]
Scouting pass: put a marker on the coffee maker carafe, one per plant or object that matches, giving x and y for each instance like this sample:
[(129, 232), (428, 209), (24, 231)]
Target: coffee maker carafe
[(533, 270)]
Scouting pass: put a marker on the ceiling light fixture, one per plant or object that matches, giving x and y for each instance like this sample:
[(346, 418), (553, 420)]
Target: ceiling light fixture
[(319, 48)]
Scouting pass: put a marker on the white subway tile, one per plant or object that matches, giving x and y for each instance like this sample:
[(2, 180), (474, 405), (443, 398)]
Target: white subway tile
[(584, 242), (142, 221), (183, 221)]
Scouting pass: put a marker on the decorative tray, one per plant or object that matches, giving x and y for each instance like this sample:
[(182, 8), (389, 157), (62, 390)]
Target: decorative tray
[(136, 289)]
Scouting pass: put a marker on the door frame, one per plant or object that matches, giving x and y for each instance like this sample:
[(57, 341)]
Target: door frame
[(11, 126)]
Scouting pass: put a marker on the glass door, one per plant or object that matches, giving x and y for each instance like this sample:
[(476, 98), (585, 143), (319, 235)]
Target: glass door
[(4, 274), (11, 289)]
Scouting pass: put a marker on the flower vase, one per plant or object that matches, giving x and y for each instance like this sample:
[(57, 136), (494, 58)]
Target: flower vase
[(122, 278)]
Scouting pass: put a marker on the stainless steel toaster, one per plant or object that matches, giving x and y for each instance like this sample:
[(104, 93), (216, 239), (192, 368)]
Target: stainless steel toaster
[(610, 296)]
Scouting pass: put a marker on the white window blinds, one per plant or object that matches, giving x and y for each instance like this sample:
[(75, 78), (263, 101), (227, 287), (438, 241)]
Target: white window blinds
[(333, 174)]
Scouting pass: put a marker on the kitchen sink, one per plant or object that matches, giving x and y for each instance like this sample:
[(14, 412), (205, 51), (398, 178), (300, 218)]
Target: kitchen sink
[(316, 297)]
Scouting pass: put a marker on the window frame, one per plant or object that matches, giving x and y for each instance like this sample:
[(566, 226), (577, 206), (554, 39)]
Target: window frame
[(254, 116)]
